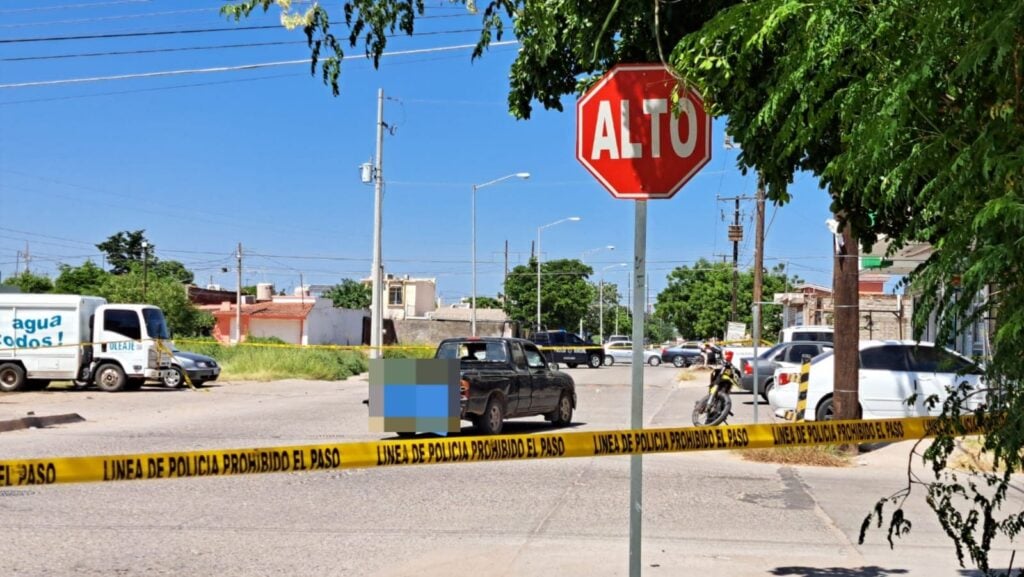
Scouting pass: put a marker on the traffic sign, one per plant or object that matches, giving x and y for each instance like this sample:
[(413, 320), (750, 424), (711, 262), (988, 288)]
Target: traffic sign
[(629, 137)]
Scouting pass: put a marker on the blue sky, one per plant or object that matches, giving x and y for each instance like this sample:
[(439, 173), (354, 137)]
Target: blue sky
[(270, 158)]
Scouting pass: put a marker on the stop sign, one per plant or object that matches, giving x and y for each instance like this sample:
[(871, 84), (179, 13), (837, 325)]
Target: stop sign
[(631, 140)]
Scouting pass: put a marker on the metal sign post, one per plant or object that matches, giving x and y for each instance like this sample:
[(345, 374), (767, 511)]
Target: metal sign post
[(637, 400)]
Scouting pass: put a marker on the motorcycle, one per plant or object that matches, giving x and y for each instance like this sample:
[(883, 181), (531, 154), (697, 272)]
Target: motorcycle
[(715, 407)]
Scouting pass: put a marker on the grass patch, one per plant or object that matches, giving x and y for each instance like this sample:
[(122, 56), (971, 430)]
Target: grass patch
[(817, 456), (264, 361), (685, 376), (968, 456), (410, 351)]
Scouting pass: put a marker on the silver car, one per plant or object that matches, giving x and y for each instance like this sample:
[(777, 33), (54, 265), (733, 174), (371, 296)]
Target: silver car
[(200, 369), (622, 352)]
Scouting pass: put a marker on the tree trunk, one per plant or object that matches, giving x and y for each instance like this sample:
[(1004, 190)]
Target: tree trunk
[(847, 326)]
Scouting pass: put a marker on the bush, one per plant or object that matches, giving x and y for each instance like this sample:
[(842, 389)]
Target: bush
[(410, 351), (271, 361)]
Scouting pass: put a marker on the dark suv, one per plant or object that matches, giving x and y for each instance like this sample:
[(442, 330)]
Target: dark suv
[(569, 349)]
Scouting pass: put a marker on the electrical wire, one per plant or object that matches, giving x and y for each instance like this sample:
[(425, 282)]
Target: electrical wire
[(216, 69), (138, 34), (108, 18), (207, 47), (89, 5)]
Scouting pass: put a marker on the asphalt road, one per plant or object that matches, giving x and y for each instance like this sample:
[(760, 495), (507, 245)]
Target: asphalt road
[(709, 514)]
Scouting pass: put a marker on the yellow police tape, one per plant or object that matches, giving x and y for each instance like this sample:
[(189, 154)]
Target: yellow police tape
[(468, 449)]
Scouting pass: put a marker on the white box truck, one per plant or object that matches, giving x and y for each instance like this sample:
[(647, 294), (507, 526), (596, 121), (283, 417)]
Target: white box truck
[(46, 337)]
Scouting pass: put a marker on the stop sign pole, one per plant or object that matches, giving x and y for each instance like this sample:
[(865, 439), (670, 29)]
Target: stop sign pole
[(630, 138)]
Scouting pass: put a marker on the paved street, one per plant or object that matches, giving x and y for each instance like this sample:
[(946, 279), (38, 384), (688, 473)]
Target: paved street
[(707, 514)]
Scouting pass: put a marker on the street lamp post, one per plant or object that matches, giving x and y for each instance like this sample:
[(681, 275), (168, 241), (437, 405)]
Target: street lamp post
[(539, 229), (600, 302), (522, 175), (145, 268)]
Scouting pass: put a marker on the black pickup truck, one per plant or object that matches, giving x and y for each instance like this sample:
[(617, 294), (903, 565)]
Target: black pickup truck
[(504, 378)]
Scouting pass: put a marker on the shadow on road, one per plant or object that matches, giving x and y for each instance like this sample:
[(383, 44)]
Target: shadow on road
[(872, 571)]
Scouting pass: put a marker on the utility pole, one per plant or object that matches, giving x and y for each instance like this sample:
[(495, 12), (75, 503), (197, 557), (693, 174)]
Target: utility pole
[(376, 320), (28, 257), (238, 298), (735, 236), (847, 322), (504, 281), (759, 248)]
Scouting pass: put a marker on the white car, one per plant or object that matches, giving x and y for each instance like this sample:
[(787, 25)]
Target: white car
[(890, 373), (622, 352)]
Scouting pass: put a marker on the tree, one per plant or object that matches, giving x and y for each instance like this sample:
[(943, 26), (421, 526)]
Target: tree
[(165, 292), (350, 294), (124, 248), (87, 279), (592, 321), (28, 282), (565, 293), (170, 269), (487, 302)]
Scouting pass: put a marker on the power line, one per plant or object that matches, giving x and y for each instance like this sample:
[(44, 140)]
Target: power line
[(172, 32), (165, 73), (107, 18), (136, 34), (207, 47), (90, 5)]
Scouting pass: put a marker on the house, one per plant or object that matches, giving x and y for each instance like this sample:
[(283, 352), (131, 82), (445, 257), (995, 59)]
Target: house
[(883, 316), (295, 319), (406, 298)]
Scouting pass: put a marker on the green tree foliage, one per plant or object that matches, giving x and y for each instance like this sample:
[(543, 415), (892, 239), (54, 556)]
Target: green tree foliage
[(698, 299), (350, 294), (487, 302), (87, 279), (124, 248), (171, 269), (28, 282), (565, 293), (165, 292)]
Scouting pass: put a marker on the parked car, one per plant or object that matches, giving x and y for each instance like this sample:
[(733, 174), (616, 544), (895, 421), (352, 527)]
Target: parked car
[(200, 369), (622, 352), (615, 339), (685, 354), (890, 373), (779, 356), (504, 378), (562, 347), (817, 333)]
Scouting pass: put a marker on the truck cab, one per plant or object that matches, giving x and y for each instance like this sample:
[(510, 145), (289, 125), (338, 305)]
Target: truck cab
[(128, 346)]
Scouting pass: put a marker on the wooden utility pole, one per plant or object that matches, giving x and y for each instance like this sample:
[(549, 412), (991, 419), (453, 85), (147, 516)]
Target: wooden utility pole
[(847, 326), (735, 235), (758, 252)]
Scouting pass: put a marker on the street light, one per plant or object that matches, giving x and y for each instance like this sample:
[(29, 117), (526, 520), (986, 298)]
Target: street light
[(539, 229), (600, 301), (145, 268), (522, 175)]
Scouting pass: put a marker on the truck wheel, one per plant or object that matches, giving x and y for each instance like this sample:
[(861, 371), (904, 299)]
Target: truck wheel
[(12, 377), (595, 361), (110, 378), (175, 378), (562, 415), (493, 419)]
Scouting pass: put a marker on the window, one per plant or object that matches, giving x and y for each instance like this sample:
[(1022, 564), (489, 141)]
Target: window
[(533, 358), (156, 326), (797, 352), (517, 356), (936, 360), (575, 340), (395, 295), (885, 358), (122, 322), (813, 336)]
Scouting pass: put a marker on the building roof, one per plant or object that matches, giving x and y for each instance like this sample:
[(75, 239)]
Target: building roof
[(269, 309)]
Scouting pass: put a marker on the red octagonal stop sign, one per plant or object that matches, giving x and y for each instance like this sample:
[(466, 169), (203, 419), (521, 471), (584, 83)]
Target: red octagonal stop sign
[(630, 139)]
